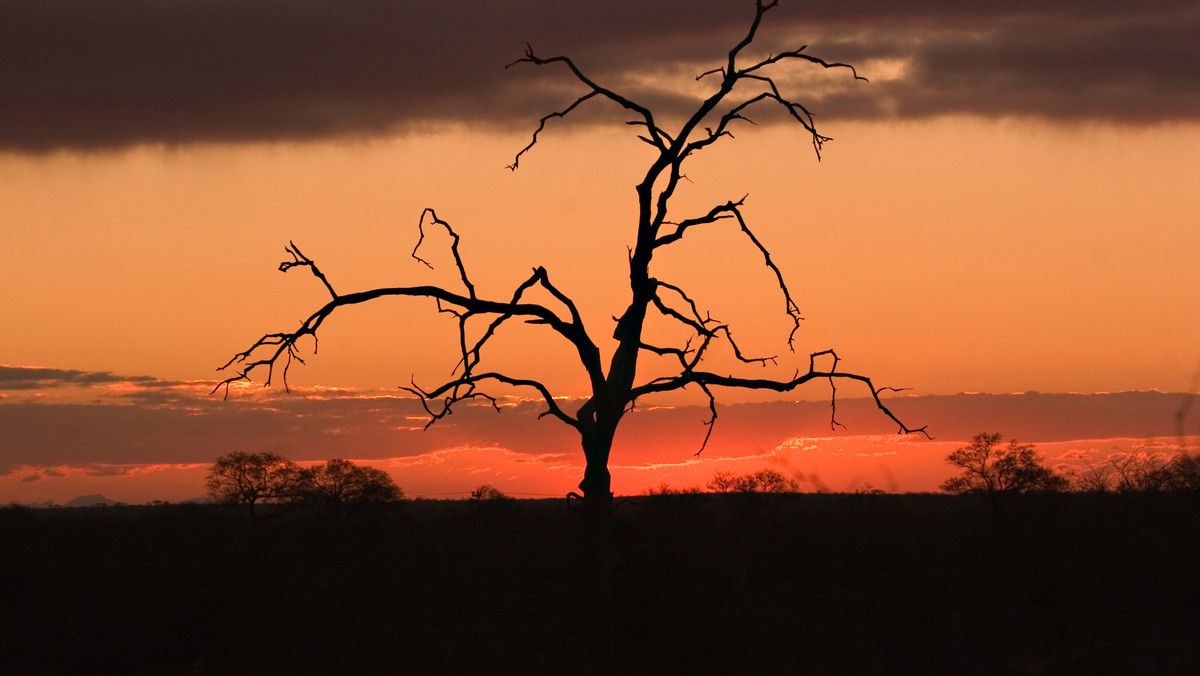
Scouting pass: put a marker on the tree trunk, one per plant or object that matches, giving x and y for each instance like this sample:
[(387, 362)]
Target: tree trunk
[(597, 482)]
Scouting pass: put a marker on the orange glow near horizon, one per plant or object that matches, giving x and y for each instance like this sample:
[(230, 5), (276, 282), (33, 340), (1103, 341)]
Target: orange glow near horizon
[(820, 465)]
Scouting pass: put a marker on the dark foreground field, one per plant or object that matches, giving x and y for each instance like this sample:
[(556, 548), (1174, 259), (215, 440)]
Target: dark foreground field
[(697, 584)]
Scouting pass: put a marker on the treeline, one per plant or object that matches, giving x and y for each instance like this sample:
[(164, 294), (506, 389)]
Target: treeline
[(336, 488), (1140, 472), (992, 468), (987, 466)]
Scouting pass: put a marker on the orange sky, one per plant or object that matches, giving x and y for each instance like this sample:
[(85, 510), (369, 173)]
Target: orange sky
[(947, 249), (952, 255)]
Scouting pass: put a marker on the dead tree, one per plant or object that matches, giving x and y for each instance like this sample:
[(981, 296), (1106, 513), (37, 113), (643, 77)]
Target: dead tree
[(738, 87)]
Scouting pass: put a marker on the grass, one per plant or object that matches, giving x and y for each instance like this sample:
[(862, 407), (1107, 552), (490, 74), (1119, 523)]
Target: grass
[(821, 584)]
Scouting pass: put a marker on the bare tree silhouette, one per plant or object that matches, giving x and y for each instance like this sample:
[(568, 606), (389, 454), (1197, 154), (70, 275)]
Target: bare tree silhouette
[(739, 86)]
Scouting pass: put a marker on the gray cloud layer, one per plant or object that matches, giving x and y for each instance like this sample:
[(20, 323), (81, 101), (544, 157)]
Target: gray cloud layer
[(189, 426), (89, 75), (32, 377)]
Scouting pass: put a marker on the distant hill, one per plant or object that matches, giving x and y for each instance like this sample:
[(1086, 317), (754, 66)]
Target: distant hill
[(90, 501)]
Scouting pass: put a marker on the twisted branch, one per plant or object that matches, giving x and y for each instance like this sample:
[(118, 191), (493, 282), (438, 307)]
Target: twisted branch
[(733, 210), (299, 260), (272, 348), (462, 270)]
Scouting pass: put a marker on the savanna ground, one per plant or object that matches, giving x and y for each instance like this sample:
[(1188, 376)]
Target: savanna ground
[(798, 584)]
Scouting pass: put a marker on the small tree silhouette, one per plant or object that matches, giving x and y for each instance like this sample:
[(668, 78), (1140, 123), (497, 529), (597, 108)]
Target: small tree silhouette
[(739, 85), (988, 468), (251, 478)]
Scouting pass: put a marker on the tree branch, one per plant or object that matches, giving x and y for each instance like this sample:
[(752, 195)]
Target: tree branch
[(270, 349), (299, 260), (462, 270), (708, 379), (452, 389), (712, 419), (657, 138), (701, 325), (733, 210)]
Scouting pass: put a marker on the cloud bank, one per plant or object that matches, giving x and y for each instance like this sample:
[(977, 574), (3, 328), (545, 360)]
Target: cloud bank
[(124, 424), (66, 432), (104, 75), (33, 377)]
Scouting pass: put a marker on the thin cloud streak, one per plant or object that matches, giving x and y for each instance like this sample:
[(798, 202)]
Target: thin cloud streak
[(87, 76)]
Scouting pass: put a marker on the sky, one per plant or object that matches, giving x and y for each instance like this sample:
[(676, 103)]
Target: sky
[(1009, 205)]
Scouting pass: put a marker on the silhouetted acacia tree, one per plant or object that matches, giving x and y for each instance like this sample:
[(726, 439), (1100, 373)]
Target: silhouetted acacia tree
[(994, 469), (251, 478), (340, 488), (739, 84)]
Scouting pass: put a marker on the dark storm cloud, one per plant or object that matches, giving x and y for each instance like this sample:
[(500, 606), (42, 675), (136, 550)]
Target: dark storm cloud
[(109, 74), (1140, 69)]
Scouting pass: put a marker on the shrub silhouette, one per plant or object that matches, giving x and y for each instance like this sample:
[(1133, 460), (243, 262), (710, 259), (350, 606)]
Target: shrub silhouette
[(488, 493), (762, 481), (666, 489)]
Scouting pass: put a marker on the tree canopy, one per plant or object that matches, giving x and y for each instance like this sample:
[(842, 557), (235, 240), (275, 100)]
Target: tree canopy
[(340, 487), (252, 478), (337, 486), (987, 467)]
